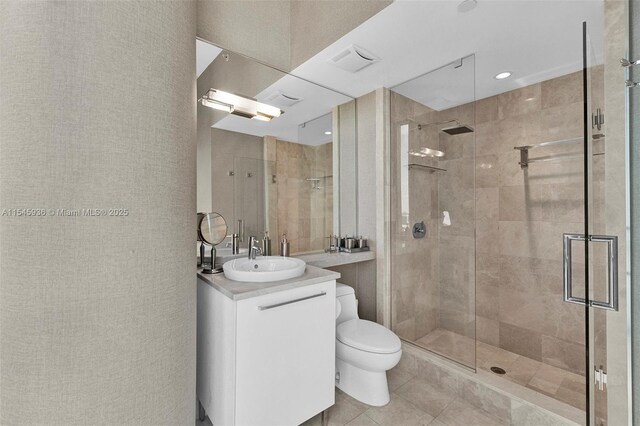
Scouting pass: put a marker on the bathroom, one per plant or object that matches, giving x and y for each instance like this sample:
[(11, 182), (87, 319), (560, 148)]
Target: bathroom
[(407, 212)]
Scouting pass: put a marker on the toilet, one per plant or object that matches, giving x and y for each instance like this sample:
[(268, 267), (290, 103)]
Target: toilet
[(365, 351)]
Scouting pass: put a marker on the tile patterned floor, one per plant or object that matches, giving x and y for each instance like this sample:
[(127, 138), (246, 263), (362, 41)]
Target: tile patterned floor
[(416, 402), (413, 402), (555, 382)]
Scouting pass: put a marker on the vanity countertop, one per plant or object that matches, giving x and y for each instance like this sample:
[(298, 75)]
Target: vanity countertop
[(328, 260), (238, 290)]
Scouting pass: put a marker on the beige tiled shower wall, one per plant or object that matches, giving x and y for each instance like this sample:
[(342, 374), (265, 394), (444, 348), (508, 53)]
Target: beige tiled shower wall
[(305, 214), (520, 218), (414, 274)]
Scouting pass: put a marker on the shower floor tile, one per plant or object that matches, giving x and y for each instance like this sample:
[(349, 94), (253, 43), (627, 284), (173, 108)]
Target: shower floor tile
[(557, 383), (451, 345)]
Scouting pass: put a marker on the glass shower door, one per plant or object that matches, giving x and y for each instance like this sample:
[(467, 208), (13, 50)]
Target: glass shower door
[(433, 211), (605, 325)]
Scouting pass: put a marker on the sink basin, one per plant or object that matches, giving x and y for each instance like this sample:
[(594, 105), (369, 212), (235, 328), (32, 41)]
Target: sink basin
[(264, 269)]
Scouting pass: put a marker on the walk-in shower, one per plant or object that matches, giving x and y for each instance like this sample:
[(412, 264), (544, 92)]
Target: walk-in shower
[(484, 283)]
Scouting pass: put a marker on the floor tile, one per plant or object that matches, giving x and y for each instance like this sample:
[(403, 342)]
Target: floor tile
[(449, 344), (522, 370), (341, 396), (342, 412), (542, 378), (397, 378), (398, 412), (461, 413), (426, 397), (543, 386), (362, 420)]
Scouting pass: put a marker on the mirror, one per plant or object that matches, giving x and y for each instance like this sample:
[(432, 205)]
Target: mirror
[(276, 153), (212, 228)]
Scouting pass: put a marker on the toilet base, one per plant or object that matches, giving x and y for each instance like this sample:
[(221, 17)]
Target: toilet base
[(369, 387)]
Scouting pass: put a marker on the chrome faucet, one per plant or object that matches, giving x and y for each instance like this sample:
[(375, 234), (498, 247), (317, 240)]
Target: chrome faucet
[(253, 248)]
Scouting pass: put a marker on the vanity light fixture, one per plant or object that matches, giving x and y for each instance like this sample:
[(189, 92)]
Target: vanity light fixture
[(327, 132), (239, 105), (503, 75)]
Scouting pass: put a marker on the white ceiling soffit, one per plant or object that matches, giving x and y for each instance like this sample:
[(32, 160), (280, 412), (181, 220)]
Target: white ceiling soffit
[(535, 40), (316, 101), (205, 54)]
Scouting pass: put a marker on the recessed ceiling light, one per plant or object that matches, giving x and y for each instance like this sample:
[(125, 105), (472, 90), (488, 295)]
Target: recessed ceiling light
[(467, 5), (503, 75), (327, 133)]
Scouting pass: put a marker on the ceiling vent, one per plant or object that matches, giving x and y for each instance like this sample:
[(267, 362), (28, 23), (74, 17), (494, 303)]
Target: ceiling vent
[(282, 100), (354, 58)]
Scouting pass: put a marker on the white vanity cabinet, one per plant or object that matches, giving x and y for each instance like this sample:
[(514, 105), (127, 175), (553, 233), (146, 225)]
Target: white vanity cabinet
[(267, 359)]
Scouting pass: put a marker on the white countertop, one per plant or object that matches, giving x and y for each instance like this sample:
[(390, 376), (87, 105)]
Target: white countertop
[(328, 260), (238, 290)]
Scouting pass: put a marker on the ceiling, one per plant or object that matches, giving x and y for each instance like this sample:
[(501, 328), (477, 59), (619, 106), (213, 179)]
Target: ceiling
[(535, 40)]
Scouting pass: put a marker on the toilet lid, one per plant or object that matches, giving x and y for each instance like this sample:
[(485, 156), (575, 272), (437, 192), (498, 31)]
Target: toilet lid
[(368, 336)]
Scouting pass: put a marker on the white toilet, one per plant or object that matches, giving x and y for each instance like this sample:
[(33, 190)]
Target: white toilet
[(365, 351)]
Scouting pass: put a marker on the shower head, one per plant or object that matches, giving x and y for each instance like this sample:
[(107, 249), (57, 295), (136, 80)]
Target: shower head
[(458, 129)]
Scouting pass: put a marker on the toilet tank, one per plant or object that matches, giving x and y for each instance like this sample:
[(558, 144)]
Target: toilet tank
[(346, 296)]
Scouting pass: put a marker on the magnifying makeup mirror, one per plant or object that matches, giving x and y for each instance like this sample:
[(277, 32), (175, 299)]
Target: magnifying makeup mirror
[(212, 230)]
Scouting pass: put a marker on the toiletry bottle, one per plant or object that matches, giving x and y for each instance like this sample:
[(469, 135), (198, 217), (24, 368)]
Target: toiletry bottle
[(284, 246), (235, 244), (266, 244)]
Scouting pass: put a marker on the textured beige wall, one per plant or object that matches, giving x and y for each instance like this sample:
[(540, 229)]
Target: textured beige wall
[(256, 28), (97, 314), (317, 24), (281, 33)]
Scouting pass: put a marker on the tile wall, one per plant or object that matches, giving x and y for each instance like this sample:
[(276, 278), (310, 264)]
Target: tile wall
[(516, 280), (303, 212)]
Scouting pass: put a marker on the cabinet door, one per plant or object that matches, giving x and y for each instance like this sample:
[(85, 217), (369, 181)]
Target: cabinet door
[(285, 355)]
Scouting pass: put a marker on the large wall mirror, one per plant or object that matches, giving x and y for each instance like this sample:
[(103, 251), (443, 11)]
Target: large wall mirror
[(276, 153)]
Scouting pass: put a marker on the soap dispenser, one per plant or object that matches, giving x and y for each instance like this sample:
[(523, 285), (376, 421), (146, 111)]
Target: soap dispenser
[(284, 246), (266, 244)]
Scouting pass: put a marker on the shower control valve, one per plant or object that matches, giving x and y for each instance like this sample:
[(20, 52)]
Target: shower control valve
[(419, 230)]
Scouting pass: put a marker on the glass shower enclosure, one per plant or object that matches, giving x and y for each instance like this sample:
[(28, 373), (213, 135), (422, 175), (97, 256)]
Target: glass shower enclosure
[(433, 211), (508, 236)]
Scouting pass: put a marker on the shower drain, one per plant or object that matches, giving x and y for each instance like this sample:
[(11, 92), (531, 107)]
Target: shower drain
[(498, 370)]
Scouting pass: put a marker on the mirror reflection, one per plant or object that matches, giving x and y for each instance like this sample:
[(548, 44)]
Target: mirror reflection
[(266, 147)]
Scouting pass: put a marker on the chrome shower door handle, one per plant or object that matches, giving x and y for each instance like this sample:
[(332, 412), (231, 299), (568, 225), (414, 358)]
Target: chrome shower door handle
[(612, 274), (568, 276)]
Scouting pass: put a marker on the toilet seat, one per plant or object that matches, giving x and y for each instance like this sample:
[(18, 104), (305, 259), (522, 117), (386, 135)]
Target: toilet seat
[(368, 336)]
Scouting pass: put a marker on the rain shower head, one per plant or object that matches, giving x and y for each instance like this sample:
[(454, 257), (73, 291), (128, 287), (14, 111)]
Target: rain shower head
[(458, 129)]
